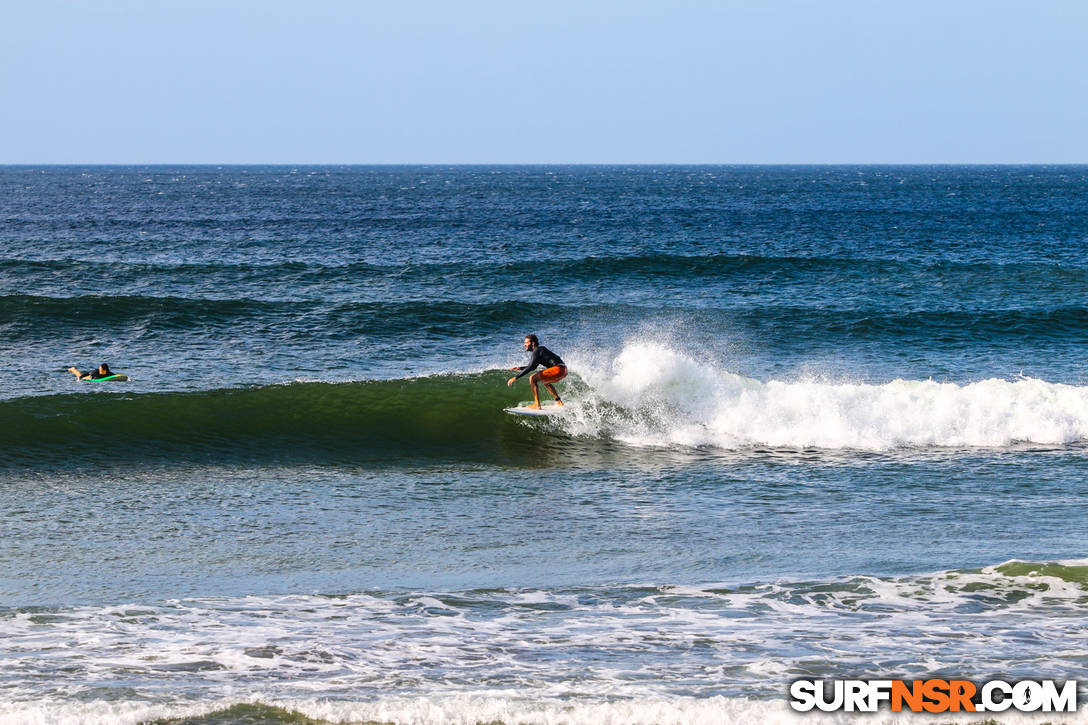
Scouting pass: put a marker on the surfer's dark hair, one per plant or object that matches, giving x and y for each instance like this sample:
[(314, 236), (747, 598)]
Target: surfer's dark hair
[(532, 338), (105, 367)]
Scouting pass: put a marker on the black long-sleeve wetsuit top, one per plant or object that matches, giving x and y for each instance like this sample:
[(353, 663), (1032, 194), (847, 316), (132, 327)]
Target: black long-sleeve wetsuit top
[(541, 356)]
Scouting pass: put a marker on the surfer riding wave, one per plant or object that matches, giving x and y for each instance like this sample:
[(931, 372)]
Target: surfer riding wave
[(554, 370)]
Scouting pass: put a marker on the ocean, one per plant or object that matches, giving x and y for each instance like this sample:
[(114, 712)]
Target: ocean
[(821, 422)]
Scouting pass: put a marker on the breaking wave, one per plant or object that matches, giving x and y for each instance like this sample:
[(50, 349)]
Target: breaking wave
[(648, 396), (651, 395)]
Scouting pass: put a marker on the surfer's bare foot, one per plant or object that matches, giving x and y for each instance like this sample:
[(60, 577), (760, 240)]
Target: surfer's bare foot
[(559, 402)]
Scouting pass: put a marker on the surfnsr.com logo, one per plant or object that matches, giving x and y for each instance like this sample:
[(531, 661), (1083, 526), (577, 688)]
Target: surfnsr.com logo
[(933, 695)]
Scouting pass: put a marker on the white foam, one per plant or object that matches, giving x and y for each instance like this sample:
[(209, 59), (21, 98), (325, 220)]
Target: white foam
[(638, 654), (652, 395), (717, 710), (481, 708)]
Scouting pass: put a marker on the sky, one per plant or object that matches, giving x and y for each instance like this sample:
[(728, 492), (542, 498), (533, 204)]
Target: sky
[(628, 82)]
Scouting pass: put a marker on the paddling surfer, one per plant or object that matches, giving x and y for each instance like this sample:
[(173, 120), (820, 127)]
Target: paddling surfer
[(554, 370), (102, 371)]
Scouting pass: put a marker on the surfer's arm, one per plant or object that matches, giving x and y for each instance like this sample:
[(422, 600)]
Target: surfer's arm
[(78, 373), (533, 362)]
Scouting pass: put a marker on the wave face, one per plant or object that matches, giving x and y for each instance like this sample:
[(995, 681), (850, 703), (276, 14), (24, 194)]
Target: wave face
[(649, 396), (649, 654), (457, 416)]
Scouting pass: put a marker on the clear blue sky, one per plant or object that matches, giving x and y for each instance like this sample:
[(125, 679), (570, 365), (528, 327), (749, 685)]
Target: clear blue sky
[(97, 81)]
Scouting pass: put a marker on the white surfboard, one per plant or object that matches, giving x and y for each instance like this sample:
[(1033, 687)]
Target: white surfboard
[(534, 412)]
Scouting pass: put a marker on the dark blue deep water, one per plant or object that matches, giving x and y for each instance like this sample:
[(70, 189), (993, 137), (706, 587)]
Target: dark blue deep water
[(821, 421)]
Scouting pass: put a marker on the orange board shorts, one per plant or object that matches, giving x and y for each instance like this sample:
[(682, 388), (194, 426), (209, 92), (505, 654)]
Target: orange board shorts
[(553, 374)]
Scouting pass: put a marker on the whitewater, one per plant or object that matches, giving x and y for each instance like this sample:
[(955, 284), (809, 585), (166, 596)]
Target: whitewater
[(651, 395), (365, 657)]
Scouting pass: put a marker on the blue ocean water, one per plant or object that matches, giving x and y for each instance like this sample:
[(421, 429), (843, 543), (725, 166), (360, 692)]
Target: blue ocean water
[(821, 421)]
